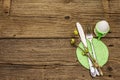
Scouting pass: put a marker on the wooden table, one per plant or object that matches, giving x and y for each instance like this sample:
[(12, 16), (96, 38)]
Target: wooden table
[(35, 38)]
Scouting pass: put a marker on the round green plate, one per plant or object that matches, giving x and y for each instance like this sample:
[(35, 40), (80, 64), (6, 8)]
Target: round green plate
[(101, 51)]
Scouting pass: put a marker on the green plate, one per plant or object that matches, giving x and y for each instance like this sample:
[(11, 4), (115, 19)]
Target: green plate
[(101, 51)]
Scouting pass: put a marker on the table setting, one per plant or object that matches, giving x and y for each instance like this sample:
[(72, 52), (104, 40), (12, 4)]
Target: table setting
[(91, 51)]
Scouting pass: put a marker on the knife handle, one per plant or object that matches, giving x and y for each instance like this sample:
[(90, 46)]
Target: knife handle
[(100, 71)]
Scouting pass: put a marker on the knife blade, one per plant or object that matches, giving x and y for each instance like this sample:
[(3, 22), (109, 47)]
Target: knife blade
[(81, 33)]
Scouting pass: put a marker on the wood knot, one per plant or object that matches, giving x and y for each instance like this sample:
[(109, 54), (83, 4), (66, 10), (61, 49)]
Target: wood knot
[(14, 35), (109, 75), (76, 60), (6, 12), (67, 1), (83, 75), (110, 45), (67, 17), (109, 68), (109, 32)]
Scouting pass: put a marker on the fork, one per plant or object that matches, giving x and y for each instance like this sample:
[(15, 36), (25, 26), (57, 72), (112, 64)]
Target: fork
[(89, 36)]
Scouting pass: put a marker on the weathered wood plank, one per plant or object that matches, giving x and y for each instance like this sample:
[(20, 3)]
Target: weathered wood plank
[(46, 73), (52, 59), (54, 7), (46, 51), (52, 27), (60, 7), (55, 72)]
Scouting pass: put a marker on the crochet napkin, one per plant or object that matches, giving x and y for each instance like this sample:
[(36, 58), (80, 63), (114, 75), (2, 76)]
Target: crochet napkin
[(101, 51)]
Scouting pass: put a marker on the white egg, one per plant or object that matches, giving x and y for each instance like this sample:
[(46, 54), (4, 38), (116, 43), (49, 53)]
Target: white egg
[(103, 26)]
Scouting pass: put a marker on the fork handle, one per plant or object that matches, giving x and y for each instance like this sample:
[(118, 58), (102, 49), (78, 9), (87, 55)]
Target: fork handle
[(92, 68), (98, 71)]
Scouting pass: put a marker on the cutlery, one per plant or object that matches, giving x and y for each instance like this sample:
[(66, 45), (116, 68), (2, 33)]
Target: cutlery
[(83, 39), (89, 36)]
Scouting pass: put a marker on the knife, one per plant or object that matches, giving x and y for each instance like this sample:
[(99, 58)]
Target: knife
[(83, 39)]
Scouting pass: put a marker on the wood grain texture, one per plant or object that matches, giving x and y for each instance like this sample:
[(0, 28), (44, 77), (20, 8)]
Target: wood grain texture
[(60, 7), (54, 7), (106, 8), (50, 59), (114, 6), (37, 19), (52, 27), (6, 7), (0, 7), (35, 39)]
